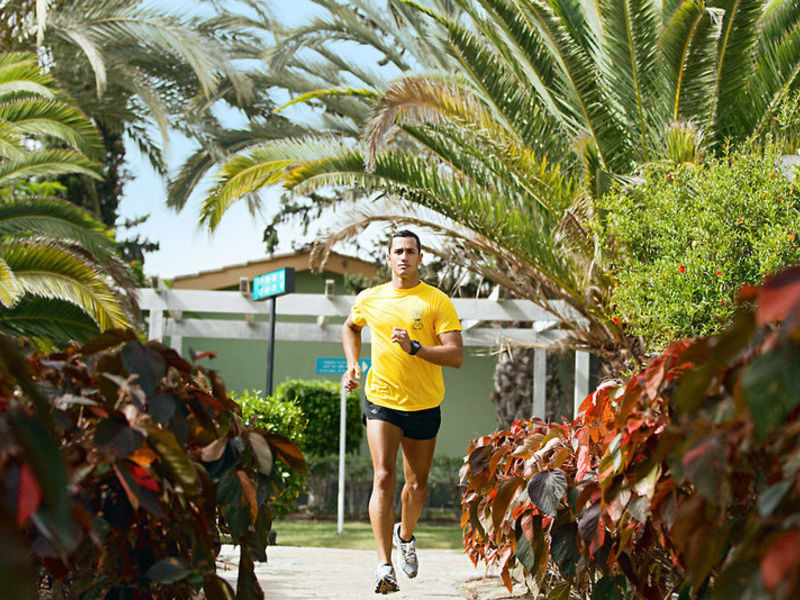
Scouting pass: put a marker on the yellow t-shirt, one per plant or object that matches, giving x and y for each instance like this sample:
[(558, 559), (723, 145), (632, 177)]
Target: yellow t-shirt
[(397, 379)]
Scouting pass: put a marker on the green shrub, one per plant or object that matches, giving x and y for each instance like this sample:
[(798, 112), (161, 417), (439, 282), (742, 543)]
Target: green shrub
[(278, 415), (274, 413), (320, 402), (684, 240)]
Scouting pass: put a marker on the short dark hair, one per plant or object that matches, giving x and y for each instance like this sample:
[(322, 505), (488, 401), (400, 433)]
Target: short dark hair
[(405, 233)]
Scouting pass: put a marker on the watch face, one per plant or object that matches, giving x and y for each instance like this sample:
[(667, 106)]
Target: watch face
[(415, 345)]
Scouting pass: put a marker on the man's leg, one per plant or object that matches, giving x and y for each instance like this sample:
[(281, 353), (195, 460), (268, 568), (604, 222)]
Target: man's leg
[(384, 440), (417, 458)]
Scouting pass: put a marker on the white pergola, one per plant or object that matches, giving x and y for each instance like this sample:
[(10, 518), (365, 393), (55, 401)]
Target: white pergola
[(166, 308)]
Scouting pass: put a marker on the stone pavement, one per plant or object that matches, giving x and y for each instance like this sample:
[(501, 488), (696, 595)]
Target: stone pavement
[(293, 573)]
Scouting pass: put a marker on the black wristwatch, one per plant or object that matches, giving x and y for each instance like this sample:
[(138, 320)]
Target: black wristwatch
[(415, 346)]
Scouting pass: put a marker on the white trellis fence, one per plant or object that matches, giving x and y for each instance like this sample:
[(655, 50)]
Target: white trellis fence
[(166, 308)]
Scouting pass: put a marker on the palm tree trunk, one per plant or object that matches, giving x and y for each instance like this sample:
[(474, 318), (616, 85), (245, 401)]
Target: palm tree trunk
[(513, 386)]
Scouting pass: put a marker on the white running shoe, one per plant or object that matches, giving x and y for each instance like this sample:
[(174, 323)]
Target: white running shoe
[(385, 580), (406, 553)]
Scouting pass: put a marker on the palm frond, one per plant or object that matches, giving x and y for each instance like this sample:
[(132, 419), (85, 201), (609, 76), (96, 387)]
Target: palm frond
[(413, 179), (511, 43), (501, 81), (47, 163), (329, 93), (94, 55), (217, 146), (735, 61), (53, 119), (689, 42), (50, 270), (778, 18), (584, 91), (263, 166), (776, 74), (341, 27), (11, 143), (425, 99), (632, 44), (128, 25), (48, 319), (10, 290), (20, 74), (56, 219)]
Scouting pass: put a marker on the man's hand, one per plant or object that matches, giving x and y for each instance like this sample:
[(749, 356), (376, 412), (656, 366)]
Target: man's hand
[(351, 377), (400, 337)]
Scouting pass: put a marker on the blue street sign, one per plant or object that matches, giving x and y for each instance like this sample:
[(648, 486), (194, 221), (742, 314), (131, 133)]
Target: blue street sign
[(337, 366), (273, 284)]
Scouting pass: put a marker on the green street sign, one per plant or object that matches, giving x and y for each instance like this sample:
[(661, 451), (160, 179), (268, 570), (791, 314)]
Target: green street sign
[(273, 284)]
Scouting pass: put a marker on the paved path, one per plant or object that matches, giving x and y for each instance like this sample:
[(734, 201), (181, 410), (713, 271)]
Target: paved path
[(293, 573)]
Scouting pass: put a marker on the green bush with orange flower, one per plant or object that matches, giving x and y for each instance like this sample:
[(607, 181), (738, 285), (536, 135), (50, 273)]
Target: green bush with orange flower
[(682, 240)]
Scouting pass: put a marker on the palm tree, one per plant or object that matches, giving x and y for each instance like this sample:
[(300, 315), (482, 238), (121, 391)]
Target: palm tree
[(134, 71), (549, 103), (59, 276), (340, 91)]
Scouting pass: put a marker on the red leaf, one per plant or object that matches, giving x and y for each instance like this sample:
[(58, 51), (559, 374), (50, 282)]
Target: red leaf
[(780, 559), (506, 577), (584, 462), (527, 526), (132, 498), (144, 478), (30, 494), (287, 451), (249, 496), (777, 297)]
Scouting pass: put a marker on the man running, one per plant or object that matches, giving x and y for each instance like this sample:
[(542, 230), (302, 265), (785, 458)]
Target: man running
[(415, 332)]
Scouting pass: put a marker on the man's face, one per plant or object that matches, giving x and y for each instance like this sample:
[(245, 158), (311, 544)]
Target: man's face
[(403, 258)]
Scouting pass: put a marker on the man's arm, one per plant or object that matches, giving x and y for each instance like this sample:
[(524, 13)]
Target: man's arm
[(351, 340), (449, 352)]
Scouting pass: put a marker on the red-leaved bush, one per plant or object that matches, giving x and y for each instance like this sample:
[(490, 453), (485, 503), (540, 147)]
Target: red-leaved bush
[(685, 479), (119, 462)]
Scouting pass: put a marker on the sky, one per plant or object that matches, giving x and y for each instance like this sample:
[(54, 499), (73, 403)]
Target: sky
[(184, 247)]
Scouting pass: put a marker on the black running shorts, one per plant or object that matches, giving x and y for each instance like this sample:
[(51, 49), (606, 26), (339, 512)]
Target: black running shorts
[(416, 424)]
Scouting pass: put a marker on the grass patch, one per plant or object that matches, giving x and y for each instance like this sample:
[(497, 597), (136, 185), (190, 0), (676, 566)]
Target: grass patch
[(358, 535)]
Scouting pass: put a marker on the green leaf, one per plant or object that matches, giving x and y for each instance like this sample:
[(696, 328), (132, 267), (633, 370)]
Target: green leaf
[(524, 549), (108, 339), (771, 386), (168, 570), (247, 586), (162, 407), (608, 588), (692, 386), (546, 489), (116, 437), (704, 466), (17, 574), (261, 452), (217, 588), (146, 363), (771, 497), (560, 591), (564, 549), (174, 459)]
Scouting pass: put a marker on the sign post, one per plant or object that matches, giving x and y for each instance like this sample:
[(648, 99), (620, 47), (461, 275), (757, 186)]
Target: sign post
[(268, 287)]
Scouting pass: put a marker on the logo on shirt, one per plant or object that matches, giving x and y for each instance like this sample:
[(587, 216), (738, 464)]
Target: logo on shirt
[(417, 324)]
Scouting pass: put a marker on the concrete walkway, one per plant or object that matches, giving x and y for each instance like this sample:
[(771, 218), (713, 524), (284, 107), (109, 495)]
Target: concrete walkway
[(293, 573)]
